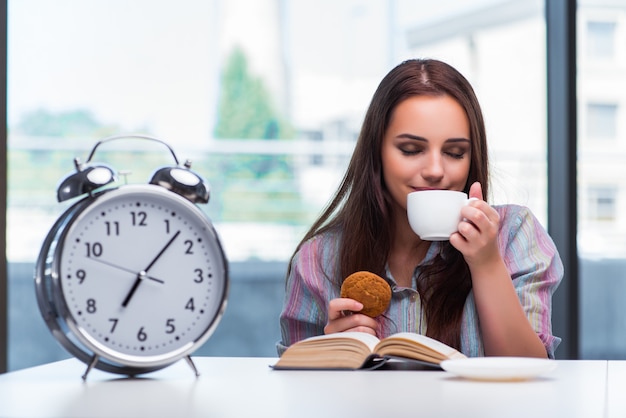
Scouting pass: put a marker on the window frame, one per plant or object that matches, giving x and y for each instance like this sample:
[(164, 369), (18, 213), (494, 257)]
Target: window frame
[(4, 306), (561, 64)]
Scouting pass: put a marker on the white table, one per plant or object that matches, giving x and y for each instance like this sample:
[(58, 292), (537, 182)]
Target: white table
[(246, 387), (616, 389)]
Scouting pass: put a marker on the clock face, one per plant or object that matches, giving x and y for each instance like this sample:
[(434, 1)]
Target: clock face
[(142, 275)]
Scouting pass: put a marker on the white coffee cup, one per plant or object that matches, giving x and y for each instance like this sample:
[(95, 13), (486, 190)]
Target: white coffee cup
[(434, 215)]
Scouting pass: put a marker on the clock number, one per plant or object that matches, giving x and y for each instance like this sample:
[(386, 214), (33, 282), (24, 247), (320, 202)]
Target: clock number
[(81, 275), (189, 245), (190, 305), (91, 306), (169, 326), (139, 218), (167, 226), (94, 249), (141, 335), (112, 228), (199, 277), (114, 320)]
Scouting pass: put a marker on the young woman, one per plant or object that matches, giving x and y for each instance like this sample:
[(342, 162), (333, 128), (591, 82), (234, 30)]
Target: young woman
[(487, 291)]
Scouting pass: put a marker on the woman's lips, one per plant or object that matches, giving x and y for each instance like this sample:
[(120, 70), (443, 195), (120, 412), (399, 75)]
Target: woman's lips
[(421, 189)]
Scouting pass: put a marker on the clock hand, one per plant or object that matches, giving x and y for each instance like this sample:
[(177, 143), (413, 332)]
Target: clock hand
[(124, 269), (142, 274), (140, 277), (162, 251)]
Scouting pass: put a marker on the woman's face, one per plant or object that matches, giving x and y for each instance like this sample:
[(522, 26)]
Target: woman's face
[(426, 146)]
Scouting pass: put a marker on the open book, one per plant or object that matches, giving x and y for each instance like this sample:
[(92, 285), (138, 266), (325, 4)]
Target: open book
[(358, 350)]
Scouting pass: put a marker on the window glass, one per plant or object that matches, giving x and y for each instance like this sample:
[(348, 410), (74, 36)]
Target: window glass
[(265, 97), (601, 121), (602, 203), (601, 178), (600, 39)]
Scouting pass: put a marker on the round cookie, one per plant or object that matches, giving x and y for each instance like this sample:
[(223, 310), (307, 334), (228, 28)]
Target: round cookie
[(369, 289)]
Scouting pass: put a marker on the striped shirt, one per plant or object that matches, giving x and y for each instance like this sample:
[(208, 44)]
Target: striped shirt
[(528, 252)]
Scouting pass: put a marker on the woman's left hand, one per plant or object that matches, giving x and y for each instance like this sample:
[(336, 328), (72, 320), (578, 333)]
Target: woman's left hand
[(477, 233)]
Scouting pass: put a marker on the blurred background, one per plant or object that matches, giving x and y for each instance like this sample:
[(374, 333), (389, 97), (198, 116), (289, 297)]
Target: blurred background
[(266, 98)]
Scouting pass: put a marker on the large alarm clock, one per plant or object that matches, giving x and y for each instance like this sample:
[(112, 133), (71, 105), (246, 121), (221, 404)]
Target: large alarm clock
[(132, 278)]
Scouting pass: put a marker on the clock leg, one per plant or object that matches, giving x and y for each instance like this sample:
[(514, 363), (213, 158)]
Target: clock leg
[(193, 366), (93, 362)]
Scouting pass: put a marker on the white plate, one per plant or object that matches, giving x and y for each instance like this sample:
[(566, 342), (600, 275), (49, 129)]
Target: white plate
[(499, 368)]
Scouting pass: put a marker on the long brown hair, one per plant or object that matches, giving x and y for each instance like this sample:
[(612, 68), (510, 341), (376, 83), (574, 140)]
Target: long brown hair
[(361, 207)]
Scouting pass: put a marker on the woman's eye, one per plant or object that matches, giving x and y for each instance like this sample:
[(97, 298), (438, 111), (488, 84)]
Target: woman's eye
[(408, 150), (456, 153)]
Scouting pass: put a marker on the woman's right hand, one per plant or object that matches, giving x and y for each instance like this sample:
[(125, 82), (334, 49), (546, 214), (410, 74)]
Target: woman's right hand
[(343, 315)]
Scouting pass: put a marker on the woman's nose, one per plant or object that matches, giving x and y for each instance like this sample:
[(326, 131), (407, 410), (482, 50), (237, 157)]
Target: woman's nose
[(433, 169)]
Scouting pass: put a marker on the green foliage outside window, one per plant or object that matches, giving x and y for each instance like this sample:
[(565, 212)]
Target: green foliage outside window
[(245, 106), (256, 187), (244, 187)]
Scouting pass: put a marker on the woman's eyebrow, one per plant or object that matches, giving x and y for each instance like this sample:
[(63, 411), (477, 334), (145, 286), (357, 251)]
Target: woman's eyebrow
[(411, 136), (457, 140), (421, 138)]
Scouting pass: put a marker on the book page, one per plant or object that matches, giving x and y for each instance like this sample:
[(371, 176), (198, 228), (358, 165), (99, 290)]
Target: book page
[(344, 350), (369, 340), (422, 346)]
